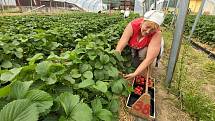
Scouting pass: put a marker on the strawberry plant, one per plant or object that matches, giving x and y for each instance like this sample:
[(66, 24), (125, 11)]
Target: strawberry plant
[(205, 29), (79, 83), (23, 37)]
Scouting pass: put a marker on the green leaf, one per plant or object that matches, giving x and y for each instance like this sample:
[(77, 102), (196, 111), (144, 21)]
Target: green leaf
[(99, 74), (86, 83), (51, 117), (118, 56), (105, 115), (19, 110), (75, 73), (92, 55), (82, 112), (19, 89), (104, 58), (52, 56), (10, 75), (90, 45), (69, 78), (56, 68), (54, 45), (96, 105), (15, 42), (36, 57), (43, 100), (114, 105), (68, 102), (43, 68), (6, 64), (19, 49), (72, 55), (112, 60), (101, 86), (18, 54), (52, 79), (98, 65), (4, 91), (88, 74), (113, 72), (117, 87), (63, 118), (84, 67)]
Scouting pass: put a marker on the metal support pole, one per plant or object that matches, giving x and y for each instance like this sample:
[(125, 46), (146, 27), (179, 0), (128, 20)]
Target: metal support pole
[(5, 5), (148, 5), (110, 7), (174, 15), (176, 44), (144, 6), (20, 8), (197, 19), (64, 4), (167, 6), (31, 4), (2, 5), (50, 5)]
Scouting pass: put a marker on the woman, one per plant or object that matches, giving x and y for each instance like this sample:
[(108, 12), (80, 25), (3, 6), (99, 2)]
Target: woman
[(143, 35)]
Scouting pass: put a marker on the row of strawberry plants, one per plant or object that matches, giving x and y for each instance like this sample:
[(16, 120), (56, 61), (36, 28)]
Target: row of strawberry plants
[(205, 29), (78, 85), (27, 36)]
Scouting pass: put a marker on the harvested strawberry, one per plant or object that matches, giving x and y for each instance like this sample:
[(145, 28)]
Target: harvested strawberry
[(138, 90), (140, 80)]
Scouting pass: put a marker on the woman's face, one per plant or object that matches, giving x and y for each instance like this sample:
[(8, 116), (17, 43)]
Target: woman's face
[(146, 29)]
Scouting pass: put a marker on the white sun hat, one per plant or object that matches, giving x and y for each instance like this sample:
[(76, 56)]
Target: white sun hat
[(154, 16)]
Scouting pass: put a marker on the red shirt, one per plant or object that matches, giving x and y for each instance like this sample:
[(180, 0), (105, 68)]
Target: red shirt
[(133, 42)]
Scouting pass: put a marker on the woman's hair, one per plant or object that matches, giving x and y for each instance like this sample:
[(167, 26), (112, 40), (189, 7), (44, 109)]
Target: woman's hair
[(153, 25)]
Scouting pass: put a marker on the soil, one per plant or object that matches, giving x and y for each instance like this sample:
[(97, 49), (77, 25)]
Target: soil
[(210, 90)]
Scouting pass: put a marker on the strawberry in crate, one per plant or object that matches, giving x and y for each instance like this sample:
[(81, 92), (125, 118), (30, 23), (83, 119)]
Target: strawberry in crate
[(138, 90), (140, 80)]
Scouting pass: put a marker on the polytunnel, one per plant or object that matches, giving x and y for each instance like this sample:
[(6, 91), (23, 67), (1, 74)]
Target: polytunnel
[(87, 5)]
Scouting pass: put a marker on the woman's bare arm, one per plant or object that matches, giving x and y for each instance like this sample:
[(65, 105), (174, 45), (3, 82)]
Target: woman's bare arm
[(124, 38), (152, 53)]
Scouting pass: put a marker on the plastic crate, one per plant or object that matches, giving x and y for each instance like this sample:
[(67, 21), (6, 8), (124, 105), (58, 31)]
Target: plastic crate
[(132, 98)]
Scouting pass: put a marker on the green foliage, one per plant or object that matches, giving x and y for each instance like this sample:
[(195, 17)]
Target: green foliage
[(30, 38), (19, 110), (205, 29), (61, 71), (19, 89), (75, 110), (199, 106), (191, 98), (43, 100)]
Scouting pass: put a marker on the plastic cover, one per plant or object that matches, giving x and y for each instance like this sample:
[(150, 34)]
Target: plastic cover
[(138, 7), (87, 5), (8, 2)]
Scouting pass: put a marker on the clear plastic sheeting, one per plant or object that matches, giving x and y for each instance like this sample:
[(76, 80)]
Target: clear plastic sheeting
[(138, 7), (209, 7), (87, 5), (8, 2), (159, 5)]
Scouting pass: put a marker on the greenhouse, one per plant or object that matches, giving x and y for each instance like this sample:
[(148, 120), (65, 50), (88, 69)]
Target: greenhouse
[(107, 60)]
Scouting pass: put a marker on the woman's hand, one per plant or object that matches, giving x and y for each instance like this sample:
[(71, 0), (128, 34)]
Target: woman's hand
[(130, 76)]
